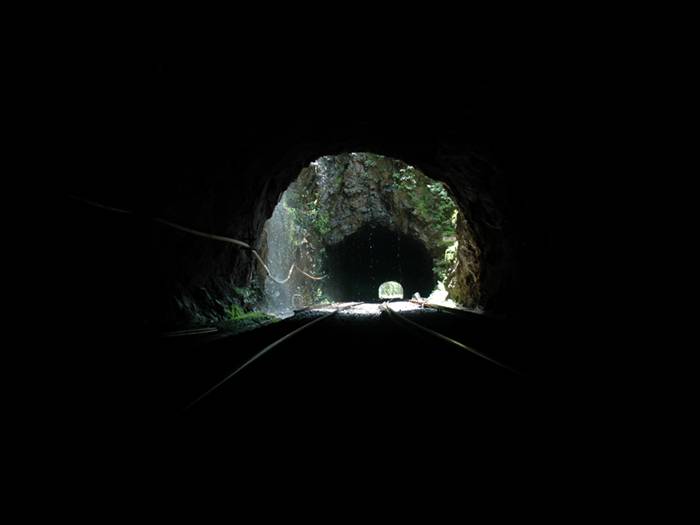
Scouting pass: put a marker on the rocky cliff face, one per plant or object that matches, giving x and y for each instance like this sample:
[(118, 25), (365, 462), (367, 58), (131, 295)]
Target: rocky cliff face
[(336, 196)]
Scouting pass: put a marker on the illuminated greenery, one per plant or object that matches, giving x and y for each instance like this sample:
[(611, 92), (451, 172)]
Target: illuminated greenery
[(443, 267), (433, 205), (391, 290), (237, 313), (306, 216), (240, 320), (430, 199)]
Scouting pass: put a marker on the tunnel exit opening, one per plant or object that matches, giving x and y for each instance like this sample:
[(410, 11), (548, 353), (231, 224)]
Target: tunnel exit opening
[(390, 290)]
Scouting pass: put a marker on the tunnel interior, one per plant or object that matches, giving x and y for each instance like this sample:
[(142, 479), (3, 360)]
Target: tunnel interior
[(361, 262), (182, 149), (190, 166)]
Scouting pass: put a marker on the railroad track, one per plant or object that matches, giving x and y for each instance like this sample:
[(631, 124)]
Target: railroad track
[(397, 317), (400, 320), (267, 349)]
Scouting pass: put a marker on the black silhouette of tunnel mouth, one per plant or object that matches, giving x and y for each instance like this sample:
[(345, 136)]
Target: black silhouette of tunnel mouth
[(374, 254)]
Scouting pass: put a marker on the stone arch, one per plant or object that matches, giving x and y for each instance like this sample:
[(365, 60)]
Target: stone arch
[(351, 195), (237, 202)]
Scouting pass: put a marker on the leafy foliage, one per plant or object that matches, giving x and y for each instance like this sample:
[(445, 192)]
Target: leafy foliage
[(433, 205), (405, 179), (445, 265), (238, 313), (391, 290), (307, 216), (249, 295), (430, 199), (240, 320)]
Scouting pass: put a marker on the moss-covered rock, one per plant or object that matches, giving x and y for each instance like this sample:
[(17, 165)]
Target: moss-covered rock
[(336, 196)]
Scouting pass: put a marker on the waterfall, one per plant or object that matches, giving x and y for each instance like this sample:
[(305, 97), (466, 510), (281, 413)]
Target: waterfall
[(281, 251)]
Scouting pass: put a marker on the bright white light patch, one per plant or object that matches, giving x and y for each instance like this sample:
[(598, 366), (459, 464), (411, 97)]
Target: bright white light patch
[(367, 309), (391, 290), (403, 306)]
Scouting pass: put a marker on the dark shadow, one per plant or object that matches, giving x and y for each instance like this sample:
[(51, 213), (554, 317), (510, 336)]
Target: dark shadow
[(372, 255)]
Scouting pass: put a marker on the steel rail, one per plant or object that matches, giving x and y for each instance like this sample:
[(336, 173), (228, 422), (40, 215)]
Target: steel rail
[(192, 331), (267, 349), (463, 312), (394, 315)]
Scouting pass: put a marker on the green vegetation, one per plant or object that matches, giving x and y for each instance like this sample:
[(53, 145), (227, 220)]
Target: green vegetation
[(368, 159), (240, 320), (237, 313), (321, 297), (248, 296), (443, 210), (334, 194), (319, 220), (306, 216), (430, 199), (337, 182), (391, 290), (443, 266), (433, 205), (405, 178)]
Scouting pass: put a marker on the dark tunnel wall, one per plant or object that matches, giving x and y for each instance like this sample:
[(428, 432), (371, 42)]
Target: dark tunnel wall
[(180, 142), (358, 264), (211, 143)]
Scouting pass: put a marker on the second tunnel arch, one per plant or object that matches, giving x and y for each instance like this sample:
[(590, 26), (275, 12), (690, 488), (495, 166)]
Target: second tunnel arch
[(339, 201), (361, 262)]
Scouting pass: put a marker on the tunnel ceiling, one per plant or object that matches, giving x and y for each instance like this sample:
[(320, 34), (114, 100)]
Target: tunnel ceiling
[(188, 145)]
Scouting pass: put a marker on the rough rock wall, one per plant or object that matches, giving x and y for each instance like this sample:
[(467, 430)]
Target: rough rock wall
[(361, 189), (337, 195), (219, 274), (479, 192)]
